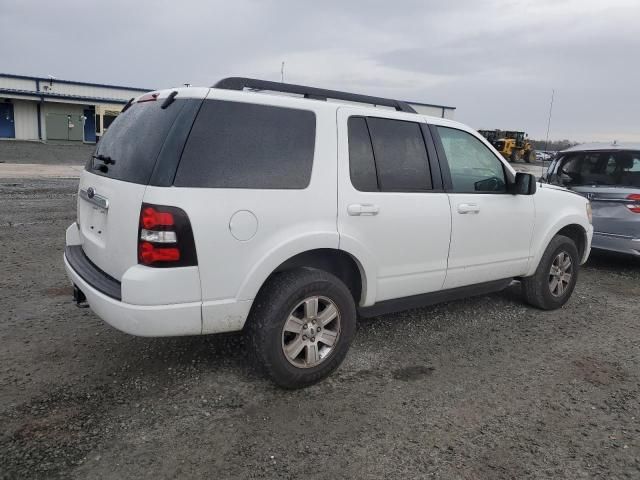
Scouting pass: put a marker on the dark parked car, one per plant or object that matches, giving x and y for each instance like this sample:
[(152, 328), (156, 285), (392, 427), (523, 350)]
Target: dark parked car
[(609, 176)]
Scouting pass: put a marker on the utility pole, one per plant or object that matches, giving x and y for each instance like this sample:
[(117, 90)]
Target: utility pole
[(546, 143), (282, 72)]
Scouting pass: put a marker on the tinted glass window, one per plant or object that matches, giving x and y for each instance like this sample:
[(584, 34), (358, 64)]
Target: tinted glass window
[(108, 120), (474, 168), (243, 145), (361, 162), (400, 155), (600, 168), (134, 140)]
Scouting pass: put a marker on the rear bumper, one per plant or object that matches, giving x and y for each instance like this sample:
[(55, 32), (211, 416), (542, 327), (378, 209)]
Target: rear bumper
[(616, 243), (151, 302), (142, 320)]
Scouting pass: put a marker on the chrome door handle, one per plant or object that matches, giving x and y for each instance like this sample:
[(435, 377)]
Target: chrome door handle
[(362, 209), (468, 208)]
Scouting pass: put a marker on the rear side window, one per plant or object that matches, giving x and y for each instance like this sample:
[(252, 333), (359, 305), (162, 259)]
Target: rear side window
[(362, 167), (244, 145), (401, 155), (134, 140), (387, 155)]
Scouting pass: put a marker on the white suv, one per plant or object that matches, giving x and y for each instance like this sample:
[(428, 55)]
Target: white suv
[(209, 210)]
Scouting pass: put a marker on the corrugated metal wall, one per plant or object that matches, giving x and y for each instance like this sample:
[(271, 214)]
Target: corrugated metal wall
[(87, 91), (26, 119), (17, 83), (434, 111)]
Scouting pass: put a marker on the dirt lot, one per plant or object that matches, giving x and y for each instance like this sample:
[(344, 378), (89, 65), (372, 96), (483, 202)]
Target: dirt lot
[(481, 388)]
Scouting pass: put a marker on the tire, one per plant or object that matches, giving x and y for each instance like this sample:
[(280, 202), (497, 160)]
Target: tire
[(539, 290), (273, 332), (528, 156), (513, 158)]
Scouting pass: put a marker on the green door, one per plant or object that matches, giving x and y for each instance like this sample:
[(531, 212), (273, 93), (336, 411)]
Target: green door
[(62, 126)]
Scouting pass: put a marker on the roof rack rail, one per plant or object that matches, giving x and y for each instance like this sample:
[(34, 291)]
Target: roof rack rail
[(240, 83)]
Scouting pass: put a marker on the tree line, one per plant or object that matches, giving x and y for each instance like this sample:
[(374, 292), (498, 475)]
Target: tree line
[(552, 145)]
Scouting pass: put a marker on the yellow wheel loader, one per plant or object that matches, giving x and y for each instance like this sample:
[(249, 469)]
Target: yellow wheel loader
[(512, 145)]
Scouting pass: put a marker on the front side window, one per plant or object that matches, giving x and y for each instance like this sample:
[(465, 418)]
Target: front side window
[(474, 168), (245, 145)]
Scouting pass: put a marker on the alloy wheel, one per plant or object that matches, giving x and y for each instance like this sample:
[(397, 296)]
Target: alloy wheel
[(311, 332), (560, 274)]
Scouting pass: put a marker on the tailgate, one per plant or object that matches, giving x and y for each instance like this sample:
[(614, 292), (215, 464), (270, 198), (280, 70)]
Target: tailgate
[(150, 132), (108, 216)]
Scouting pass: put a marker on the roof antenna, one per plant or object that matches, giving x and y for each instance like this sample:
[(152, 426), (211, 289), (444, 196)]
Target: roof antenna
[(282, 72)]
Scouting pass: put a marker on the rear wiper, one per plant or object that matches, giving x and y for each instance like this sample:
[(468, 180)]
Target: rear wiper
[(169, 100), (126, 107), (105, 159)]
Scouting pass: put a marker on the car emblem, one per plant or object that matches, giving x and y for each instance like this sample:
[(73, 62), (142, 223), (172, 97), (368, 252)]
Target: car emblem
[(91, 192)]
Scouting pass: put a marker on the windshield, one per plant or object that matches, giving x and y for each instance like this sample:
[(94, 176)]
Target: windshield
[(600, 168), (129, 149)]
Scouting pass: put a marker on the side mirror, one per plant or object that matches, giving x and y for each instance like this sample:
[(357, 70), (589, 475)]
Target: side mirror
[(524, 184)]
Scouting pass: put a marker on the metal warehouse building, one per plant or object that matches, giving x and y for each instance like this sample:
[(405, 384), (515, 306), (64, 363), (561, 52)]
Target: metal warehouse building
[(36, 108), (42, 109), (433, 110)]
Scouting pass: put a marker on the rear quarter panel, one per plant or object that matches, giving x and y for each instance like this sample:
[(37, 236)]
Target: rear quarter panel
[(288, 221)]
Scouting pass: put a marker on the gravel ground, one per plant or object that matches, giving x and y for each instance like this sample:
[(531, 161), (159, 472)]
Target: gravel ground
[(480, 388), (67, 153)]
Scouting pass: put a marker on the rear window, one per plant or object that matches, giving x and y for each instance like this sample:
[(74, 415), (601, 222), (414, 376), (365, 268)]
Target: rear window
[(134, 140), (620, 168), (244, 145)]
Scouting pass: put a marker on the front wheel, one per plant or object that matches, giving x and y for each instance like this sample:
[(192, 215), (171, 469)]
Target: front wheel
[(301, 326), (529, 156), (550, 287)]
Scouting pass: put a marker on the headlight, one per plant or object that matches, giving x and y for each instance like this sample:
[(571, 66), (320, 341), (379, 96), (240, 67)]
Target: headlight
[(589, 213)]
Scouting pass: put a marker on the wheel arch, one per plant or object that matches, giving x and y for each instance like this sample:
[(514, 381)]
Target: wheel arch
[(340, 263), (576, 233), (572, 228)]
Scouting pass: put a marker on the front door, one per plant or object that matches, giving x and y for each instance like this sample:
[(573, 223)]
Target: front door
[(7, 125), (89, 125), (491, 229), (391, 206)]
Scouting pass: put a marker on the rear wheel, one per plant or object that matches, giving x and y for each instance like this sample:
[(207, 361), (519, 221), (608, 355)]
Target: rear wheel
[(513, 158), (301, 326), (556, 276)]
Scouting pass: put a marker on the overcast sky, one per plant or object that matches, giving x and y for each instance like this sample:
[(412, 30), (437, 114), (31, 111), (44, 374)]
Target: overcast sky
[(495, 60)]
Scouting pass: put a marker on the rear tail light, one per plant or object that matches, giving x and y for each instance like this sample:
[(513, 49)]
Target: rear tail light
[(165, 238), (634, 207)]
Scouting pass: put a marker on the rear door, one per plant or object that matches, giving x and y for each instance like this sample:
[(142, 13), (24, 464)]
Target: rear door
[(113, 184), (491, 229), (391, 206)]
